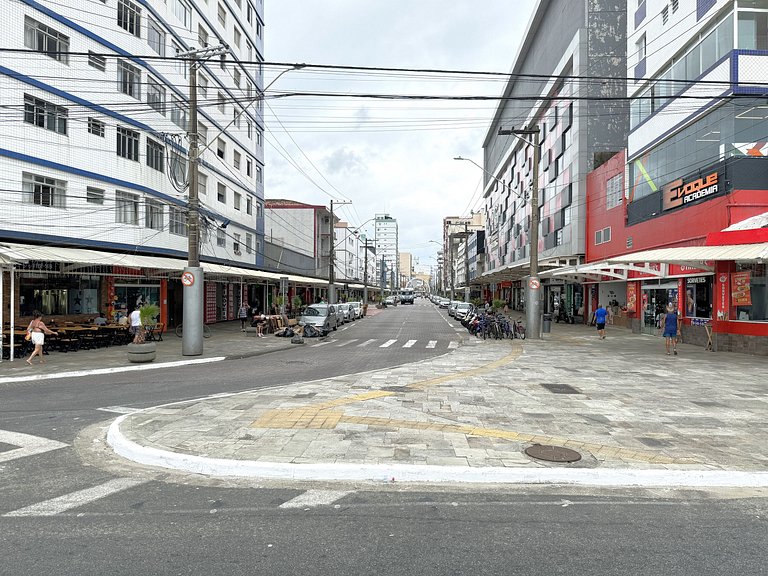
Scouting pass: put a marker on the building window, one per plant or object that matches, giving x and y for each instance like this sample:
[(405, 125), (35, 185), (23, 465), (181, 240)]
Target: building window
[(221, 149), (155, 155), (259, 174), (179, 113), (603, 236), (129, 17), (236, 243), (178, 166), (202, 86), (127, 143), (183, 13), (96, 61), (221, 237), (128, 79), (236, 157), (259, 209), (181, 62), (259, 139), (94, 195), (665, 15), (222, 103), (202, 134), (221, 193), (249, 13), (153, 214), (248, 205), (43, 191), (222, 16), (155, 37), (248, 243), (126, 208), (249, 129), (749, 292), (237, 37), (202, 36), (202, 184), (614, 191), (248, 167), (45, 115), (236, 115), (155, 95), (236, 77), (177, 221), (237, 200), (96, 127), (42, 38)]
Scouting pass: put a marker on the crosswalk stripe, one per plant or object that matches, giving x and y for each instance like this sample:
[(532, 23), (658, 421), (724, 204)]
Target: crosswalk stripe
[(366, 342), (76, 499), (432, 344), (345, 342), (388, 343), (409, 343), (28, 445), (315, 498), (453, 344)]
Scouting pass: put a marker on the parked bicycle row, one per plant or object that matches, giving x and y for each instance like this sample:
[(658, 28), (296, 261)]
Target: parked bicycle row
[(483, 323)]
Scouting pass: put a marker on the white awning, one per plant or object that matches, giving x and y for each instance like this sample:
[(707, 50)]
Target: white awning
[(697, 254)]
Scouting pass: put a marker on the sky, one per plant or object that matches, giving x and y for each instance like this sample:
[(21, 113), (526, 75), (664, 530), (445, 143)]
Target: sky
[(391, 156)]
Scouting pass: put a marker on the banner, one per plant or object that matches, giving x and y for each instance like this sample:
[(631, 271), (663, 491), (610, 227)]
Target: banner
[(741, 294), (631, 297)]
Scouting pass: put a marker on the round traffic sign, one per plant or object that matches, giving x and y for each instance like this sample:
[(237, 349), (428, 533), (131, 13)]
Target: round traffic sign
[(534, 284), (187, 278)]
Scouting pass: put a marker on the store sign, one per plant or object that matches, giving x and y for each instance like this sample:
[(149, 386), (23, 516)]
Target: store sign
[(741, 294), (631, 297), (697, 280), (722, 296), (683, 191)]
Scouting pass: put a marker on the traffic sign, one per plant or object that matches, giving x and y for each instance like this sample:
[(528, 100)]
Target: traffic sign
[(534, 283), (187, 278)]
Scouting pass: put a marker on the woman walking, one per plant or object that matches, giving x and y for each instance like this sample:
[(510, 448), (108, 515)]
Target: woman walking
[(243, 315), (37, 330)]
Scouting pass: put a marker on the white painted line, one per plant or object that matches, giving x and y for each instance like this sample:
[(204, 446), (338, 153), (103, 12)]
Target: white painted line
[(388, 343), (409, 344), (28, 445), (322, 343), (116, 370), (346, 342), (453, 344), (432, 344), (315, 498), (366, 342), (76, 499), (119, 409)]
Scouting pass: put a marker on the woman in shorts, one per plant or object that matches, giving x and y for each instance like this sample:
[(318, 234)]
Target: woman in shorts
[(37, 331)]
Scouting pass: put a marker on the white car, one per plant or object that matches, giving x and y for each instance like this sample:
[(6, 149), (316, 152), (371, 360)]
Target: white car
[(349, 312), (358, 308)]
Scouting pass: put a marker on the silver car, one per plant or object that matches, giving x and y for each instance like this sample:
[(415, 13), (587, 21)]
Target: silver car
[(357, 307), (349, 312), (320, 316)]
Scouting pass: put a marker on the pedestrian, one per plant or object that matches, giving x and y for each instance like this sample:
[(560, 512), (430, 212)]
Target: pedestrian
[(609, 309), (243, 315), (671, 328), (135, 329), (37, 331), (600, 315)]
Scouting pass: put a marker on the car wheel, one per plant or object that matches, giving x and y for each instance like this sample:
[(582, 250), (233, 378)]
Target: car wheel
[(334, 327)]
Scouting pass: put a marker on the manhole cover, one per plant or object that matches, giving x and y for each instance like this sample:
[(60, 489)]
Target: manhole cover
[(552, 453)]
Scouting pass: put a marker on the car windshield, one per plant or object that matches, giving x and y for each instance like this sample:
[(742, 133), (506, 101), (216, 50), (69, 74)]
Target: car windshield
[(314, 311)]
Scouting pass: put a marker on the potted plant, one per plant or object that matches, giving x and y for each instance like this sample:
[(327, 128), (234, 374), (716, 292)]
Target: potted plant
[(141, 351), (296, 305)]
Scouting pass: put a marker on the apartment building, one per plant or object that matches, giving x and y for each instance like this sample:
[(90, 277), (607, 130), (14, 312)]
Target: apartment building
[(387, 260), (94, 148)]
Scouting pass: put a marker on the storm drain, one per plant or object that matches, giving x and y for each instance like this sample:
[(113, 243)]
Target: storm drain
[(561, 389), (552, 453)]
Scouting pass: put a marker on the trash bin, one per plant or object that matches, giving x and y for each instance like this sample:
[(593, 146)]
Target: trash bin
[(546, 324)]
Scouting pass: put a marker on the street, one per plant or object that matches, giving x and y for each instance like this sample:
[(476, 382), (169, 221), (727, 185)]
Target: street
[(70, 506)]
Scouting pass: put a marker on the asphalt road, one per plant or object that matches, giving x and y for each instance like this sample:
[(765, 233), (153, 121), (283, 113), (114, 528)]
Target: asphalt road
[(69, 508)]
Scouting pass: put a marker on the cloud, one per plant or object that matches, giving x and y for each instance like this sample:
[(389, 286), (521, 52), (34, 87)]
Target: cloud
[(344, 161)]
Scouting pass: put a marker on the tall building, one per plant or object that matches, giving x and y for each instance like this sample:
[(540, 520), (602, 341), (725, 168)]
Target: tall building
[(580, 125), (385, 236), (405, 265), (94, 145)]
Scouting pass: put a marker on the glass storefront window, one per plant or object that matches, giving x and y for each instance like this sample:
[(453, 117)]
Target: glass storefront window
[(698, 297), (749, 292), (58, 295), (129, 295)]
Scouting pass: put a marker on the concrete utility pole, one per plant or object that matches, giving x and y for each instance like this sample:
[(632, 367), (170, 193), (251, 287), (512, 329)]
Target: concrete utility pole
[(365, 274), (331, 257), (192, 276), (533, 289), (466, 262)]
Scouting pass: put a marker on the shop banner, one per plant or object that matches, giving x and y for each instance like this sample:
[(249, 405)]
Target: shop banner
[(723, 286), (631, 297), (740, 286)]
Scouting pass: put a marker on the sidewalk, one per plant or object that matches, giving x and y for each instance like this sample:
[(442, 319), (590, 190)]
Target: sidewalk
[(635, 415)]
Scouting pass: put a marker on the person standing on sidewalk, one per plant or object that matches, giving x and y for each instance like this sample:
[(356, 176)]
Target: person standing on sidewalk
[(671, 328), (600, 315), (135, 329), (243, 315)]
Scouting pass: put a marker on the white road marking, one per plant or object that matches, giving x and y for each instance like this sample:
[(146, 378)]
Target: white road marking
[(119, 409), (366, 342), (340, 344), (388, 343), (28, 445), (315, 498), (322, 343), (409, 344), (453, 345), (76, 499), (432, 344)]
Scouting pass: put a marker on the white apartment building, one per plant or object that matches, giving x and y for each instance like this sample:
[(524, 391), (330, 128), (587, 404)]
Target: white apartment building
[(93, 150), (387, 261)]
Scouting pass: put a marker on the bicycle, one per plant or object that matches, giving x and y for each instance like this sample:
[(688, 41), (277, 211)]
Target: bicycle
[(518, 330), (206, 331)]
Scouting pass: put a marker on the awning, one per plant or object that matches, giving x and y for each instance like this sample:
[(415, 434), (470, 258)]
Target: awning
[(697, 254)]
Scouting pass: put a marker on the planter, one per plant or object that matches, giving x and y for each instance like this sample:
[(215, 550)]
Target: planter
[(140, 353)]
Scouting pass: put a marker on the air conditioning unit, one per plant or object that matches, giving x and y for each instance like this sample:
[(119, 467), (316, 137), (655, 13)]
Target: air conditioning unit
[(238, 252)]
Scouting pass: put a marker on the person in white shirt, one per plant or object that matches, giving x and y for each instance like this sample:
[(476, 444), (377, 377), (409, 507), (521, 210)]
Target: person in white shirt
[(135, 329)]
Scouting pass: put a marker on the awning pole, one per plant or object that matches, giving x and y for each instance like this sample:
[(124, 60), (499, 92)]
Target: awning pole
[(12, 312), (2, 310)]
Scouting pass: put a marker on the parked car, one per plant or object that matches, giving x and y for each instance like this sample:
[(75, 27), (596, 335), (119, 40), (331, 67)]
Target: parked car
[(348, 311), (340, 317), (389, 301), (462, 310), (321, 316), (358, 308), (452, 307)]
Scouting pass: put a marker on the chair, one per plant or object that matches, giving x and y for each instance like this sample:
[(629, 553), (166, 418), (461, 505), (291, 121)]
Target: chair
[(68, 342), (157, 333)]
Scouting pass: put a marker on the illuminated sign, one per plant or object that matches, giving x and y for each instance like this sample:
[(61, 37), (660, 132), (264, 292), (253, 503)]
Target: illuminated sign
[(682, 191)]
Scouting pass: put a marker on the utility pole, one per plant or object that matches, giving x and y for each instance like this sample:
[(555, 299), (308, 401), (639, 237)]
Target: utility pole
[(192, 276), (365, 274), (533, 290), (466, 262), (331, 257)]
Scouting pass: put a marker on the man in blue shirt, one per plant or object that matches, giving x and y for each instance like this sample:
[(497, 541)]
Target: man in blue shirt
[(600, 314)]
